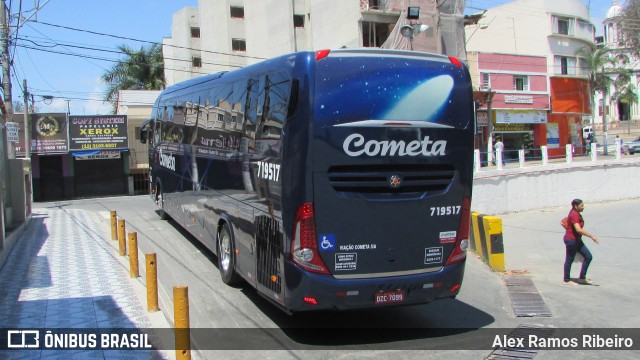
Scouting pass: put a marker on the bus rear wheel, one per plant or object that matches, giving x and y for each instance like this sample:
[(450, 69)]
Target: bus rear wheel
[(227, 256)]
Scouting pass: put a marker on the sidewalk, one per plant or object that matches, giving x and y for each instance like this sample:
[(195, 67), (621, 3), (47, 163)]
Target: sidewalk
[(64, 273)]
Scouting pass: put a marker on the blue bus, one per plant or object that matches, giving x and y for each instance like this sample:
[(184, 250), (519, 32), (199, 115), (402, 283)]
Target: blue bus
[(333, 179)]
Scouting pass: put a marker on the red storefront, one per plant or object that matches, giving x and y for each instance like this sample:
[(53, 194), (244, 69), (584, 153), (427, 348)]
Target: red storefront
[(569, 105)]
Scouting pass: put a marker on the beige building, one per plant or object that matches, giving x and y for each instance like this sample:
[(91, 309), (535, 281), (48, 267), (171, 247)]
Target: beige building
[(137, 104), (227, 34)]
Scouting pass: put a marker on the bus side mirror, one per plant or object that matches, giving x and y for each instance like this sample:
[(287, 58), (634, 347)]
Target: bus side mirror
[(143, 135)]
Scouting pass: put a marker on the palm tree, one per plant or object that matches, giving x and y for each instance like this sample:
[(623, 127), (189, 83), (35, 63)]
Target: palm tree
[(139, 70), (597, 65)]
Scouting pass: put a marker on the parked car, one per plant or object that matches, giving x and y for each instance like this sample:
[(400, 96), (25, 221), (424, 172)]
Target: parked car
[(633, 146)]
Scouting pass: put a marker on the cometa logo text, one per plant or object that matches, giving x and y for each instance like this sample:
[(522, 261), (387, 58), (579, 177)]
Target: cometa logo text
[(168, 161), (356, 145)]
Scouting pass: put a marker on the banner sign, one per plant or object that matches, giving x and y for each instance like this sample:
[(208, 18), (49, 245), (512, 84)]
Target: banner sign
[(99, 132), (12, 132), (19, 145), (96, 155), (49, 133)]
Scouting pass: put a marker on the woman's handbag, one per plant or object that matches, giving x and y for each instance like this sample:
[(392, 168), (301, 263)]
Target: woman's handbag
[(565, 223)]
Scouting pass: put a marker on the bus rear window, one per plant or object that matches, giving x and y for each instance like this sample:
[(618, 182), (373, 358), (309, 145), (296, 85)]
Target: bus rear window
[(353, 89)]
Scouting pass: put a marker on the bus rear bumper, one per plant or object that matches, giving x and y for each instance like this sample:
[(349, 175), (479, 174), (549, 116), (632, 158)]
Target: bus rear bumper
[(308, 291)]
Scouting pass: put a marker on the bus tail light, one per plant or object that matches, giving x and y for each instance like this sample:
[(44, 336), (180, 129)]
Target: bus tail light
[(455, 61), (321, 54), (304, 243), (455, 288), (310, 300), (459, 252)]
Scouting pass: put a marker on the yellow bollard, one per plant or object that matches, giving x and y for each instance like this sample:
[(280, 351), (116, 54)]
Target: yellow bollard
[(495, 246), (181, 323), (133, 255), (121, 238), (114, 225), (152, 282), (487, 240)]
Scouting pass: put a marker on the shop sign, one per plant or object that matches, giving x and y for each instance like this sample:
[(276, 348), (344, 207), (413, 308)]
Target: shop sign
[(521, 117), (513, 99), (513, 127), (12, 132), (49, 133), (482, 118), (100, 132), (97, 155)]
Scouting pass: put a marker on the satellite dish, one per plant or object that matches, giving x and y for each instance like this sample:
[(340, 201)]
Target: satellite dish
[(123, 110)]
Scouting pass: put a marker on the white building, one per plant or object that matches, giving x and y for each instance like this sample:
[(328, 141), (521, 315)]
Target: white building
[(618, 111), (226, 34), (552, 28), (136, 104)]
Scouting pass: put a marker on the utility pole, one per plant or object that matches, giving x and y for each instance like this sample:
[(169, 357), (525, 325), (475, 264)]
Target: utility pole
[(6, 84), (27, 128), (6, 66)]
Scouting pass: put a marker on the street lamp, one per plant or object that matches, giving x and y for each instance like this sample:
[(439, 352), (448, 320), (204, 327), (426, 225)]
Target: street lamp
[(414, 28)]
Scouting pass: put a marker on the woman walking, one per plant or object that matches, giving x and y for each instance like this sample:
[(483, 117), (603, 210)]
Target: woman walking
[(573, 243)]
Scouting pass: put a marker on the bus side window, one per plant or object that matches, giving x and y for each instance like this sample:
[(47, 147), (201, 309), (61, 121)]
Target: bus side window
[(143, 134), (277, 88)]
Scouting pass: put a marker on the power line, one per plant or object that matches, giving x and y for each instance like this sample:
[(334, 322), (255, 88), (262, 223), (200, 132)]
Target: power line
[(55, 44), (97, 58), (146, 41)]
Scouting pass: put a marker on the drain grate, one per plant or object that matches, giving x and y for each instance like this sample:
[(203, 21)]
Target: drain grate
[(525, 298), (522, 331)]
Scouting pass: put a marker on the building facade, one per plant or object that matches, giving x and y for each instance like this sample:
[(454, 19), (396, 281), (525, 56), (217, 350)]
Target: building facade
[(224, 35), (619, 112), (555, 31), (520, 102)]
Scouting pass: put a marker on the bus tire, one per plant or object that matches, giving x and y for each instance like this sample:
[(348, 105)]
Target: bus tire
[(227, 256), (160, 202)]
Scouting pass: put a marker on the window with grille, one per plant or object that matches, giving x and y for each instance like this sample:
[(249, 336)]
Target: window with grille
[(298, 21), (237, 12), (565, 65), (486, 81), (196, 62), (563, 26), (195, 32), (521, 83), (238, 44)]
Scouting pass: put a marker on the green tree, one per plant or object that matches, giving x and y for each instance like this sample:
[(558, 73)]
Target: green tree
[(630, 25), (606, 71), (140, 70), (597, 63)]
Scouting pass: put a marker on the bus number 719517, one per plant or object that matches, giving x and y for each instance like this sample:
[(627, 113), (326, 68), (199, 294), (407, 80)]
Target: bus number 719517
[(268, 171), (445, 210)]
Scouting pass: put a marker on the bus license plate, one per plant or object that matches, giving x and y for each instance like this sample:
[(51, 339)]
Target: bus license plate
[(387, 297)]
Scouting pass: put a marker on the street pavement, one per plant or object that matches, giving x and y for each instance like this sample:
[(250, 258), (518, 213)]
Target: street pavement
[(65, 273)]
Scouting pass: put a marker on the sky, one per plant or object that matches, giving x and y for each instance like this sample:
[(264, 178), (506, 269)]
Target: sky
[(73, 79)]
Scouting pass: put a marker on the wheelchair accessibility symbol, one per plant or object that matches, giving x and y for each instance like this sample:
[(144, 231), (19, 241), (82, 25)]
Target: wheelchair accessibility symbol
[(327, 242)]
